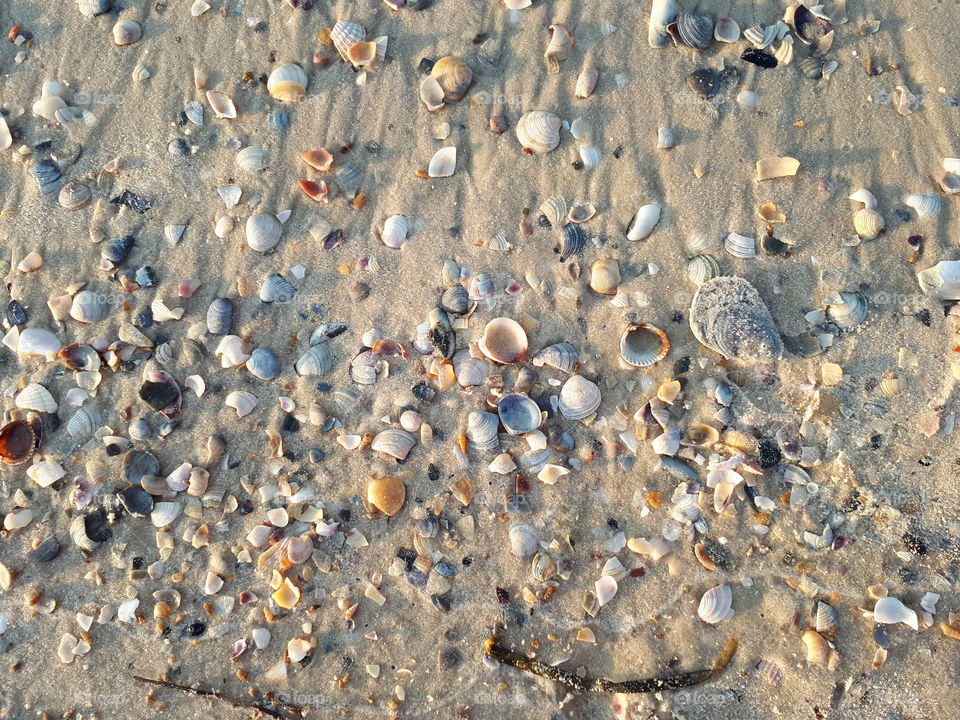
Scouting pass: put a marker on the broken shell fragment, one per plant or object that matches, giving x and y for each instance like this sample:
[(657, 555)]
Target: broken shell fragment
[(443, 163), (561, 42), (393, 443), (777, 167)]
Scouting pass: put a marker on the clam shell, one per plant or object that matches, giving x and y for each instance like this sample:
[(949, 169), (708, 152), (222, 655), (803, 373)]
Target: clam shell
[(818, 649), (644, 222), (504, 341), (519, 414), (827, 617), (868, 223), (949, 183), (138, 464), (319, 159), (431, 93), (221, 105), (555, 209), (695, 29), (847, 309), (394, 233), (482, 431), (701, 268), (80, 358), (127, 32), (643, 344), (220, 317), (455, 300), (443, 163), (38, 341), (489, 52), (561, 42), (586, 82), (539, 131), (589, 156), (394, 443), (740, 246), (923, 204), (164, 513), (287, 83), (574, 241), (715, 605), (194, 112), (605, 276), (726, 30), (387, 494), (523, 540), (45, 473), (470, 371), (92, 8), (37, 398), (349, 177), (579, 398), (88, 307), (561, 356), (276, 290), (241, 401), (263, 232), (363, 54), (264, 364), (942, 281), (47, 175), (318, 360), (761, 37), (344, 34), (481, 287), (251, 158), (454, 77), (74, 195)]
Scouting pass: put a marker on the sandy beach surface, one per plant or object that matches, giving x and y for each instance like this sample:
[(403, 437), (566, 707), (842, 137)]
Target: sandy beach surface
[(845, 451)]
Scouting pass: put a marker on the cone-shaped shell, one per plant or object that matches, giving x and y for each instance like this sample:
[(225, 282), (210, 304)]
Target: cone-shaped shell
[(503, 341), (643, 344), (287, 83), (387, 494), (454, 77), (579, 398), (539, 131)]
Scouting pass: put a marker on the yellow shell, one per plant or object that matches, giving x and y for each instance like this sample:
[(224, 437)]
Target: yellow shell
[(287, 595), (868, 223), (818, 649), (387, 494), (454, 77), (287, 83)]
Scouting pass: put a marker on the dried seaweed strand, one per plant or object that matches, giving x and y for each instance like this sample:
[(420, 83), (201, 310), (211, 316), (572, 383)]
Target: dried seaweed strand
[(581, 684), (254, 705)]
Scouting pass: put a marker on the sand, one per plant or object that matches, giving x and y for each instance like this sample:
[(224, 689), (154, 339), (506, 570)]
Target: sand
[(879, 477)]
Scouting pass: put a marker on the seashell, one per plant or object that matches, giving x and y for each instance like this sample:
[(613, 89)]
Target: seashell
[(561, 356), (138, 464), (561, 42), (643, 344), (523, 540), (92, 8), (362, 54), (503, 341), (455, 300), (276, 289), (827, 617), (890, 611), (80, 358), (949, 183), (88, 307), (194, 112), (287, 83), (581, 214), (264, 364), (316, 190), (644, 222), (136, 501), (481, 287), (761, 37), (161, 392), (38, 341), (74, 195), (695, 29), (395, 443), (818, 648), (666, 443), (942, 282), (320, 159), (776, 167), (47, 175), (740, 246), (82, 425), (17, 519), (470, 371), (19, 440), (604, 589), (579, 398), (221, 105), (173, 233), (394, 233), (489, 52), (868, 223), (164, 513), (555, 209), (139, 429), (662, 14), (127, 32), (701, 268), (924, 205), (252, 158), (263, 232), (771, 672), (728, 315), (45, 473), (726, 30), (586, 82), (605, 276), (318, 360), (589, 157), (519, 414), (443, 163), (502, 464), (37, 398), (453, 76), (220, 317), (866, 197), (482, 431), (410, 420), (431, 93), (539, 131), (715, 605), (784, 53), (80, 534), (847, 309), (241, 401), (574, 241), (387, 494), (664, 139), (344, 34)]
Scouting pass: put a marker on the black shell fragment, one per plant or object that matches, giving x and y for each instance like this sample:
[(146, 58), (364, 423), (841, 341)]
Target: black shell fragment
[(759, 58)]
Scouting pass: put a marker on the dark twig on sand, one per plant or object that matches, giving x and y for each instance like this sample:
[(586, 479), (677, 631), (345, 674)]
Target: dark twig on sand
[(252, 705)]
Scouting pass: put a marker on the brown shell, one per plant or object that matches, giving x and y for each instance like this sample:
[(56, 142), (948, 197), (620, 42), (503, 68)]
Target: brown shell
[(387, 494), (454, 77), (19, 440)]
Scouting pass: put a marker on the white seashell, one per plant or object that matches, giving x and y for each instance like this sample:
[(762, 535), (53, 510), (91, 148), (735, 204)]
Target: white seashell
[(231, 352), (866, 197), (173, 233), (252, 158), (230, 194), (223, 227), (394, 233), (605, 588), (261, 637), (726, 30), (164, 513), (18, 519), (644, 222), (523, 540), (502, 464), (82, 424), (212, 584), (868, 223), (579, 398), (942, 281), (551, 473), (924, 205), (443, 163), (589, 156), (761, 37), (37, 398), (287, 83), (469, 371), (561, 356), (241, 401), (263, 232), (45, 473), (784, 53), (127, 611), (740, 246), (395, 443), (221, 105), (38, 341), (539, 131), (952, 165), (715, 605), (890, 611), (605, 276), (127, 32), (667, 443), (88, 307), (586, 82), (776, 167), (6, 139)]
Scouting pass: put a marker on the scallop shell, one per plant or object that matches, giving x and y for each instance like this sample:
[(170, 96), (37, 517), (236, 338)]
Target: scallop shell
[(519, 414), (574, 241), (318, 360), (344, 34), (784, 53), (715, 605), (643, 344), (868, 223), (263, 232), (82, 425), (827, 617), (555, 210), (726, 30), (504, 340), (220, 317), (695, 29), (924, 205), (394, 233), (701, 268), (252, 158), (88, 307), (287, 83), (539, 131), (241, 401), (761, 37), (561, 42), (264, 364), (395, 443), (605, 276), (194, 112), (37, 398), (644, 222), (579, 398), (387, 494), (586, 82), (740, 246), (275, 289), (482, 431), (523, 540), (847, 309), (164, 513), (127, 32), (454, 77), (74, 195), (443, 163), (561, 356)]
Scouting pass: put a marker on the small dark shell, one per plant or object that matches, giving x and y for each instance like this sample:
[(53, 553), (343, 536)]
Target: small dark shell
[(695, 29), (773, 246), (78, 357), (48, 176), (136, 501), (759, 58), (162, 393), (46, 551), (96, 526), (455, 300), (16, 315), (19, 440), (116, 251), (574, 240), (138, 464), (220, 317), (132, 201)]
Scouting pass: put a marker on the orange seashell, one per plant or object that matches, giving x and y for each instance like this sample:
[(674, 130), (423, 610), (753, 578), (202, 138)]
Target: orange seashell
[(387, 494), (19, 440), (319, 159), (362, 54), (316, 190), (287, 595)]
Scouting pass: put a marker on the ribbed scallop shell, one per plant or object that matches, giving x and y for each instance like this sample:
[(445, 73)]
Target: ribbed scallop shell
[(74, 195), (252, 158), (761, 37), (868, 223), (715, 605), (925, 205), (574, 241), (539, 131), (701, 268), (47, 175), (586, 82), (482, 431), (827, 617), (481, 287), (695, 29), (470, 371), (394, 233), (892, 386), (579, 398), (287, 83), (605, 276), (561, 356), (454, 76), (395, 443), (318, 360), (344, 35), (518, 413), (37, 398), (263, 232), (847, 309), (589, 156), (643, 344), (276, 289), (740, 246)]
